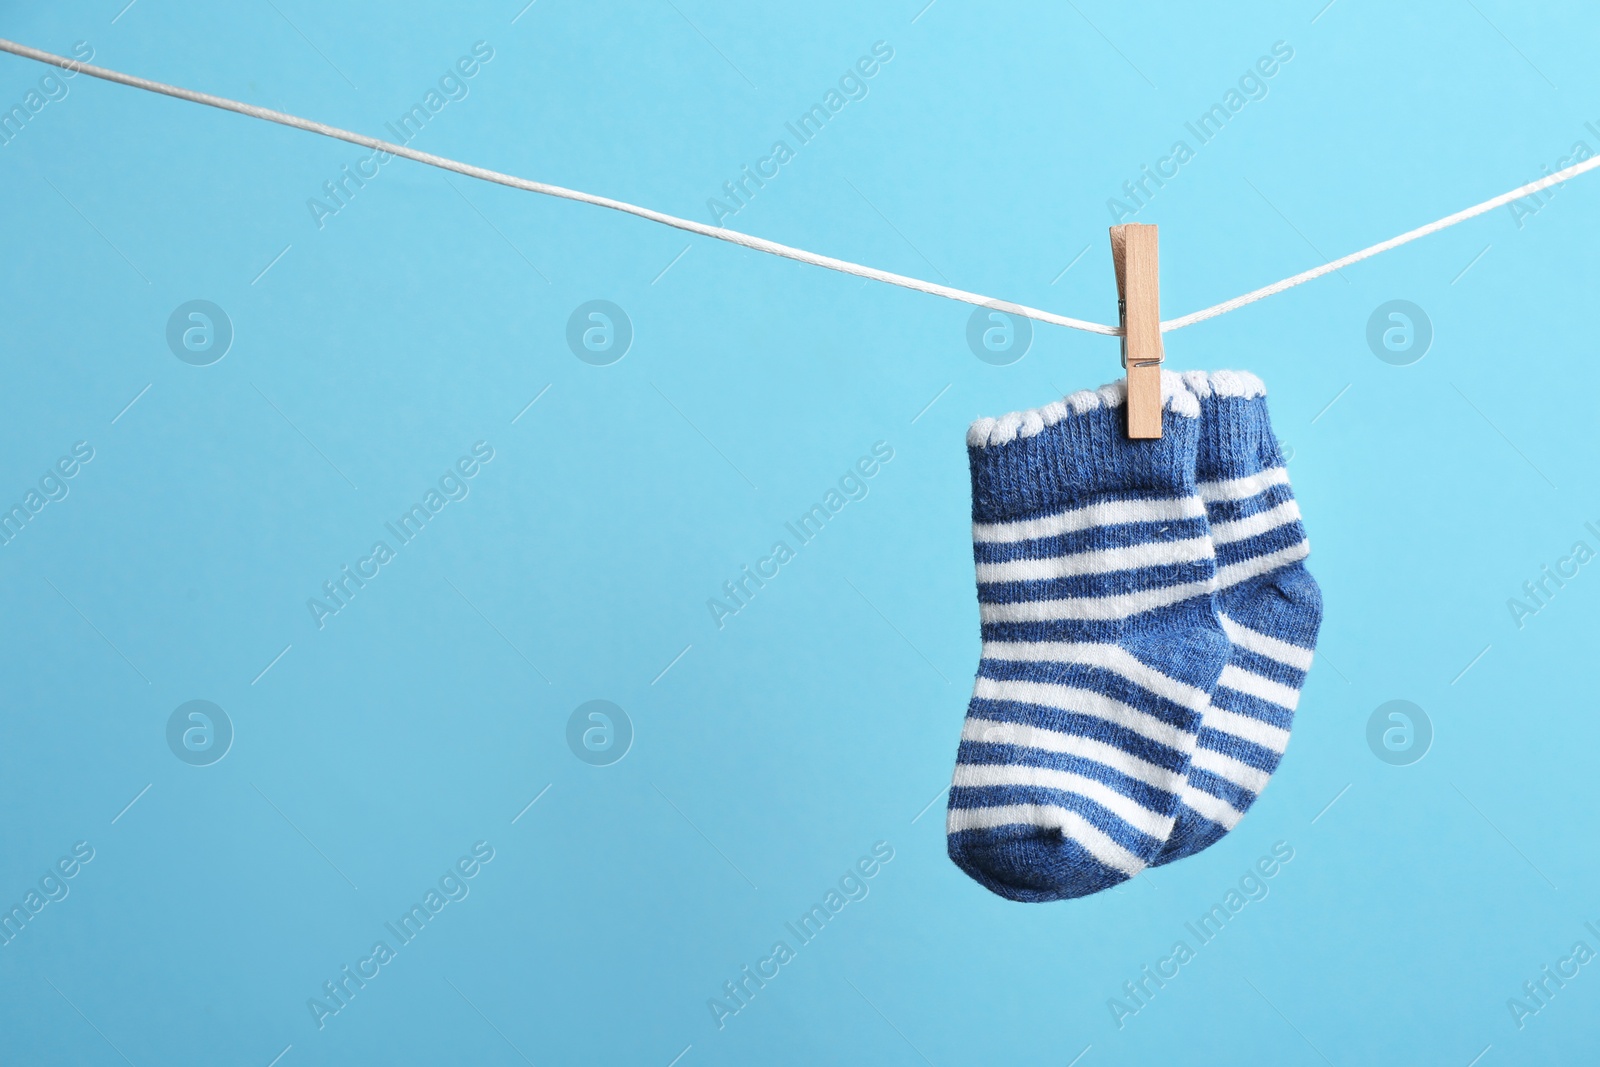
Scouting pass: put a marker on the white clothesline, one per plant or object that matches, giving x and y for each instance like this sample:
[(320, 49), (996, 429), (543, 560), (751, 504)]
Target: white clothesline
[(761, 244)]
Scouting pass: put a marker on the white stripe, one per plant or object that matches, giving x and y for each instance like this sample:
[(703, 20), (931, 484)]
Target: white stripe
[(1246, 729), (1244, 570), (1086, 702), (1243, 681), (1270, 647), (994, 732), (1117, 606), (1148, 822), (1235, 771), (1107, 513), (1252, 525), (1099, 561), (1207, 806), (1069, 823), (1242, 488), (1101, 654)]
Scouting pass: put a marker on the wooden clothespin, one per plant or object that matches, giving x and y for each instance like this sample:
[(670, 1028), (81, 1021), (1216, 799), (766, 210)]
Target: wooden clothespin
[(1133, 258)]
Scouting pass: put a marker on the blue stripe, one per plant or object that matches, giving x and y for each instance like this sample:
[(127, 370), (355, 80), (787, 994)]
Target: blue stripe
[(1234, 510), (1187, 617), (1262, 544), (1268, 668), (1067, 722), (1246, 752), (1120, 535), (1252, 707), (1142, 793), (1109, 583), (1094, 680), (1102, 819), (1236, 795)]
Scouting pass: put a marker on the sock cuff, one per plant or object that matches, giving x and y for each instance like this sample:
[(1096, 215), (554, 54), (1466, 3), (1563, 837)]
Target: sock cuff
[(1236, 438), (1019, 424), (1047, 458), (1234, 384)]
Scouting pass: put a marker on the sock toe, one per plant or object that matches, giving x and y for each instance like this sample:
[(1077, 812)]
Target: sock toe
[(1192, 833), (1031, 864)]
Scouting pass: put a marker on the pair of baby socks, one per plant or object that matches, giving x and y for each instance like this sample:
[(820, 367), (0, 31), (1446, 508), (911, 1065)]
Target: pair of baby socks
[(1148, 622)]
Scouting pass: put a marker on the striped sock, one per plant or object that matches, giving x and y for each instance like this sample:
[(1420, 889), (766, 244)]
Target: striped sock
[(1269, 605), (1100, 643)]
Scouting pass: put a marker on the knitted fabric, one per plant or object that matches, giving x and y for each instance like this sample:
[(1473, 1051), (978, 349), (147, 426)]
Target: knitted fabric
[(1268, 604), (1100, 644)]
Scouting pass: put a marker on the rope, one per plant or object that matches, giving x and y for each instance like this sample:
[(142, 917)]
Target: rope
[(761, 244), (1463, 215)]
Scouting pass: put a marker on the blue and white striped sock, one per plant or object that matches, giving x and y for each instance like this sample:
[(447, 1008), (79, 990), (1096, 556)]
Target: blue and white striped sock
[(1100, 643), (1269, 605)]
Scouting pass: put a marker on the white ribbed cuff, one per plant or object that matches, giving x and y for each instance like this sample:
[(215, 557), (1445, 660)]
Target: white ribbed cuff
[(1174, 398)]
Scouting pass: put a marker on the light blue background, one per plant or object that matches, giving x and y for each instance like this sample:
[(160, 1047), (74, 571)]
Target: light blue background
[(822, 718)]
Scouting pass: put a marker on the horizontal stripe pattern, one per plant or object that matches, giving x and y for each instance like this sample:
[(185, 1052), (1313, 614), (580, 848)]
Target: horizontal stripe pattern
[(1071, 737), (1136, 746), (1049, 817), (1084, 701), (1096, 561), (1241, 488), (1107, 826), (1114, 606), (1231, 700), (1255, 685), (1103, 655), (1092, 539), (1247, 728), (986, 775), (1045, 743), (1270, 669), (1096, 765), (1098, 682), (1268, 543), (1104, 513), (1232, 510), (1263, 645), (1257, 530), (1133, 582), (1238, 573), (1235, 771), (1223, 533), (1210, 807)]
